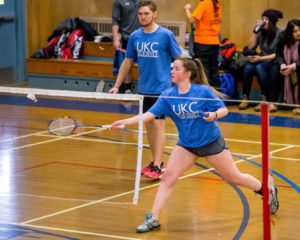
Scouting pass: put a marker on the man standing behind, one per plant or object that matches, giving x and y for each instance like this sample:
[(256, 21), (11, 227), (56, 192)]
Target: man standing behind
[(124, 22), (154, 47)]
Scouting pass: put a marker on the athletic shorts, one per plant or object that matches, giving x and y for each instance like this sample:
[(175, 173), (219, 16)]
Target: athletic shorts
[(149, 101), (212, 148), (124, 44)]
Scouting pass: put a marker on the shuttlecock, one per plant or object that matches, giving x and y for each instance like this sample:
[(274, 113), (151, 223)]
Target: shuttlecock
[(32, 97)]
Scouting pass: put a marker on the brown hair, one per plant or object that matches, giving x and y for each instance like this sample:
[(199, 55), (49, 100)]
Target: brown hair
[(148, 3), (216, 6), (198, 75)]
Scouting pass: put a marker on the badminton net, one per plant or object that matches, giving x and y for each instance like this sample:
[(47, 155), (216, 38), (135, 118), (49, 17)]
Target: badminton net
[(88, 163)]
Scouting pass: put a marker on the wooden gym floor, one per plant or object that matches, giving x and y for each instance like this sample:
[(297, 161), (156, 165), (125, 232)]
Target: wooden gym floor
[(81, 188)]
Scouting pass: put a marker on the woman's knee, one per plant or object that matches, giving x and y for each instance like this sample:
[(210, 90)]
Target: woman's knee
[(169, 178), (234, 178)]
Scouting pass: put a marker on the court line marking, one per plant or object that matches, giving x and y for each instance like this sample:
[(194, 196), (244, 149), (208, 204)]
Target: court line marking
[(115, 196), (59, 138), (171, 147), (108, 198), (288, 159), (42, 133), (72, 231), (132, 191), (126, 193), (43, 196), (230, 139)]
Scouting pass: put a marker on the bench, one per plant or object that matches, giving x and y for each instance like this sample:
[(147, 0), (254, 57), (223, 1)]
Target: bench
[(85, 74)]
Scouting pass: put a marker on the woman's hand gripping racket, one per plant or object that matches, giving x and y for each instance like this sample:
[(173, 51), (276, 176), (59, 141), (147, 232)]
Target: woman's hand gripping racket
[(64, 126)]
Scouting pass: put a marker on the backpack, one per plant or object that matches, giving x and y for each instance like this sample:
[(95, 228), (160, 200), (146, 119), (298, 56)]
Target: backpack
[(73, 45), (227, 85), (227, 48), (89, 31)]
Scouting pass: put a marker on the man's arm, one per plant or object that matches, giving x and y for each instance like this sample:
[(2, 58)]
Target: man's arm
[(123, 72), (115, 34), (116, 17)]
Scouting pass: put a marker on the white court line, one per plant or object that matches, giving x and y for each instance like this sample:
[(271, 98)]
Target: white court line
[(129, 192), (26, 223), (108, 198), (281, 149), (22, 136), (234, 140), (42, 196), (258, 142), (72, 231), (99, 140), (171, 147), (59, 138), (288, 159), (102, 141)]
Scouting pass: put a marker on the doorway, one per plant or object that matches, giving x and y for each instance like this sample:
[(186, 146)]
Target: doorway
[(12, 41)]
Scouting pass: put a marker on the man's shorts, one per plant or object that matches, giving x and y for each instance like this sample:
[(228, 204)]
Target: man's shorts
[(149, 101)]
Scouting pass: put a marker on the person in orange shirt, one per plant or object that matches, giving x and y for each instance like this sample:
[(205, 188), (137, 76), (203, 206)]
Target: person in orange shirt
[(207, 20)]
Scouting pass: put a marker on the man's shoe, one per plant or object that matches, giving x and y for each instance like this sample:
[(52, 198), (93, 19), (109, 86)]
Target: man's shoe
[(149, 224), (155, 171), (148, 168), (151, 167)]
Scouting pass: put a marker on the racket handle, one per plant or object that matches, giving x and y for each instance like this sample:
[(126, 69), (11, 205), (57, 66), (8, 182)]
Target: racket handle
[(122, 126)]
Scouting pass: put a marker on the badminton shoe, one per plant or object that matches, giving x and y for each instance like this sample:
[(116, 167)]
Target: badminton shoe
[(148, 168), (153, 171), (274, 203), (149, 224)]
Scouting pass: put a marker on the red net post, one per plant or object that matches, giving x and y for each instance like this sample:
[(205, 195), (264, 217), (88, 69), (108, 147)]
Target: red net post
[(265, 169)]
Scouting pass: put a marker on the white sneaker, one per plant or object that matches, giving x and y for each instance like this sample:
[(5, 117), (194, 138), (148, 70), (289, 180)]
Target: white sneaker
[(149, 224), (274, 203), (128, 91)]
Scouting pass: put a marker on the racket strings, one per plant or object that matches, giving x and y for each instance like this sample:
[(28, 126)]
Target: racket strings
[(62, 126)]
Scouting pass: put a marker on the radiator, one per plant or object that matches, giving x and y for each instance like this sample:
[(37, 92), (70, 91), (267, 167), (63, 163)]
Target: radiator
[(103, 26)]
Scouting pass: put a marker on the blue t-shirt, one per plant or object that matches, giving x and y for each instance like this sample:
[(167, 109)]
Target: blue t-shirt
[(154, 53), (187, 111)]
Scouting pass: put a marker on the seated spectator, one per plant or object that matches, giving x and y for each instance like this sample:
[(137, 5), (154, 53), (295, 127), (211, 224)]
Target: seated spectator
[(274, 86), (265, 36), (288, 58)]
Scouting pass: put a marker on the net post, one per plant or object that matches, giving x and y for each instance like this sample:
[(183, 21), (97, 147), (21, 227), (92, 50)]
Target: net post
[(265, 169), (140, 153)]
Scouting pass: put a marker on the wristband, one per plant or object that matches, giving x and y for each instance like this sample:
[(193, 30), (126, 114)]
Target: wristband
[(216, 115)]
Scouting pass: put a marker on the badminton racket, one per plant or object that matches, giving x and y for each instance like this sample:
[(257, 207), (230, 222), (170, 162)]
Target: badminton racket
[(64, 126)]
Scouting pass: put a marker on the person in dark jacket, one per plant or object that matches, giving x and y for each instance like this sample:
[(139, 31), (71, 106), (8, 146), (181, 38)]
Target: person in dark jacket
[(259, 64)]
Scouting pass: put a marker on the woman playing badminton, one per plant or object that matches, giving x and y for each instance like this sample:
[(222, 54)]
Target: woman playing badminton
[(193, 106)]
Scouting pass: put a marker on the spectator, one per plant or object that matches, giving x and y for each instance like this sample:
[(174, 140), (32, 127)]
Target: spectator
[(260, 64), (288, 58), (207, 20), (124, 22), (154, 47)]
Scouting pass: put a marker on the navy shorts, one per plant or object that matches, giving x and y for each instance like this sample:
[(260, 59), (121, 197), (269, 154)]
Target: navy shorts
[(149, 101), (212, 148)]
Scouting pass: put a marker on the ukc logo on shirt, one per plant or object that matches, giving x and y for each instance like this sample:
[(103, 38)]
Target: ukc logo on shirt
[(147, 49), (184, 111)]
